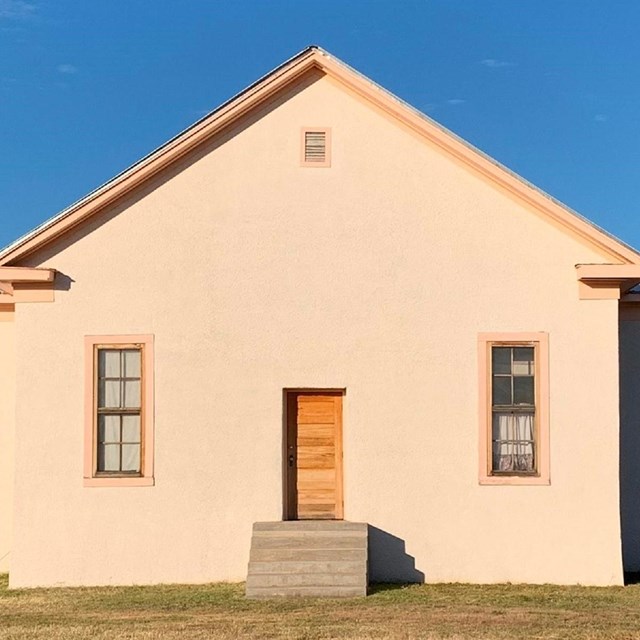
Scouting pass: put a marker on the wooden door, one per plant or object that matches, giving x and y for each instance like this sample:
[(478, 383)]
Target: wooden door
[(314, 455)]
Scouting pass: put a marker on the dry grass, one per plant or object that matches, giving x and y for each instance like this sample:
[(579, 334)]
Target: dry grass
[(220, 611)]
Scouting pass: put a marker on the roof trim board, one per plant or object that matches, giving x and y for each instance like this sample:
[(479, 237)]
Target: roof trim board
[(26, 284), (26, 274), (606, 281), (364, 88)]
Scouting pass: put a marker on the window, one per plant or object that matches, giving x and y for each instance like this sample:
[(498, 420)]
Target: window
[(119, 411), (316, 147), (514, 399)]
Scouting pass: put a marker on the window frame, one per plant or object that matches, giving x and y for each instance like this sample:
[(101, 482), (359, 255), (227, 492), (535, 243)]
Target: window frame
[(540, 342), (327, 147), (93, 478)]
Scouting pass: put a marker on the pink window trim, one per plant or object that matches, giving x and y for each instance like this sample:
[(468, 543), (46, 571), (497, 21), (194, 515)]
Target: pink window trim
[(541, 342), (327, 141), (146, 478)]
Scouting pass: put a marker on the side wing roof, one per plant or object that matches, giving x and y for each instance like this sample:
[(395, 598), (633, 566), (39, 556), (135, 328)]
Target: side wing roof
[(313, 57)]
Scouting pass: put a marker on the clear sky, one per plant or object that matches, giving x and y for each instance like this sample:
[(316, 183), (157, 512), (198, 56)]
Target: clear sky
[(549, 88)]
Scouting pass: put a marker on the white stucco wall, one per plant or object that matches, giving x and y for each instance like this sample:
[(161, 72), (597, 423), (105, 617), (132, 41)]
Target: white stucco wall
[(376, 275), (7, 432)]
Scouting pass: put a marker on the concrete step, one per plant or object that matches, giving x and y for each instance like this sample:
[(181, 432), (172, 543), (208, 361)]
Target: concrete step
[(284, 554), (309, 540), (306, 580), (322, 592), (308, 558), (305, 566)]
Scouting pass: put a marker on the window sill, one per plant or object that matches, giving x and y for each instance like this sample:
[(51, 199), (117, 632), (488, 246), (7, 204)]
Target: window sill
[(514, 480), (118, 482)]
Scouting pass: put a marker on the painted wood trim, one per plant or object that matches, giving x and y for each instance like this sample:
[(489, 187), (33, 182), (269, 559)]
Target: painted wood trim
[(606, 281), (136, 481), (608, 271), (33, 292), (26, 274), (146, 478), (596, 290), (26, 284), (541, 342)]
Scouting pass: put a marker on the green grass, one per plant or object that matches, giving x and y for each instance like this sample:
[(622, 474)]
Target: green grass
[(453, 611)]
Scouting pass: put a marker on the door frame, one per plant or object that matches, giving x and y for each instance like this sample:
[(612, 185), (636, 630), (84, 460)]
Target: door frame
[(289, 435)]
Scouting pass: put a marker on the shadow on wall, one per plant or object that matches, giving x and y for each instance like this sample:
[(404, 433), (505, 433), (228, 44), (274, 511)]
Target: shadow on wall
[(630, 447), (389, 560), (62, 282)]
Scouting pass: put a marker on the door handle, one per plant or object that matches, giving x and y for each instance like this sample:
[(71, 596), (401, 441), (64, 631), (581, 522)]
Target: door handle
[(291, 460)]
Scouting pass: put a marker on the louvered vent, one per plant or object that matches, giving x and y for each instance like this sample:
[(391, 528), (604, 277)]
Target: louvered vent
[(315, 147)]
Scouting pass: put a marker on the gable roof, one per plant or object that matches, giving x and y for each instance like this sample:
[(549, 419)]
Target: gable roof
[(314, 57)]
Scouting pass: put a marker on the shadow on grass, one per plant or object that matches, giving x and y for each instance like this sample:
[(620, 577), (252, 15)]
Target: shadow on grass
[(382, 587)]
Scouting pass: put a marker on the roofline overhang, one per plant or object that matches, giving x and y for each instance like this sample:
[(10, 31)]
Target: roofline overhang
[(26, 274), (607, 281), (26, 284)]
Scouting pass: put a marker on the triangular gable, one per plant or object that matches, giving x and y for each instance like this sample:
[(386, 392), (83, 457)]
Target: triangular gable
[(263, 90)]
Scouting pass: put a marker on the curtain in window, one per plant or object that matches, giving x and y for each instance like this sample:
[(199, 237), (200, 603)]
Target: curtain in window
[(513, 442)]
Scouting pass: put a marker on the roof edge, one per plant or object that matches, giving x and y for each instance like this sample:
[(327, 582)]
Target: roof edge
[(261, 90), (12, 251)]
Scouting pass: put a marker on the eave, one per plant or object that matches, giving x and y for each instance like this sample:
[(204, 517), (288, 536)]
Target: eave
[(607, 281), (26, 284)]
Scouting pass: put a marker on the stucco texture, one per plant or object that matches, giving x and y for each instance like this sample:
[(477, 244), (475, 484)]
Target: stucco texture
[(7, 431), (375, 275)]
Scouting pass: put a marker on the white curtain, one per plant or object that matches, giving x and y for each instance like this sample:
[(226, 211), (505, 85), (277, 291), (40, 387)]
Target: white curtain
[(513, 442)]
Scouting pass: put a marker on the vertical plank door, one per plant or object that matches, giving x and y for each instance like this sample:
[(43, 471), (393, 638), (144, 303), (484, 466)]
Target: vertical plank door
[(319, 456)]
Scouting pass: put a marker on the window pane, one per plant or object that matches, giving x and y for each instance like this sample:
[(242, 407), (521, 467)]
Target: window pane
[(131, 429), (523, 361), (513, 447), (109, 394), (109, 429), (132, 394), (130, 457), (109, 363), (501, 359), (501, 391), (132, 363), (523, 390), (109, 457)]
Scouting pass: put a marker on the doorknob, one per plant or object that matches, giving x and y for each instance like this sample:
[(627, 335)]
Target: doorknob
[(291, 460)]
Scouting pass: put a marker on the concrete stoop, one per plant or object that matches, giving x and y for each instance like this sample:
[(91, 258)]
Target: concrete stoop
[(308, 558)]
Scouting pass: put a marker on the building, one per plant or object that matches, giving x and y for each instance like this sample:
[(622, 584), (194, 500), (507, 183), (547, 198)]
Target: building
[(317, 303)]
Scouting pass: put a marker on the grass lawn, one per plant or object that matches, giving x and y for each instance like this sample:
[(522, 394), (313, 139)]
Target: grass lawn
[(419, 611)]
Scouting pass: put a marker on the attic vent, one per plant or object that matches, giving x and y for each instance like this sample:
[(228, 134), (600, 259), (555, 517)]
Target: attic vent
[(316, 147)]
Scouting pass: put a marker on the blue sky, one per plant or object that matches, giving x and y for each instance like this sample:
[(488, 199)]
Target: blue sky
[(549, 88)]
